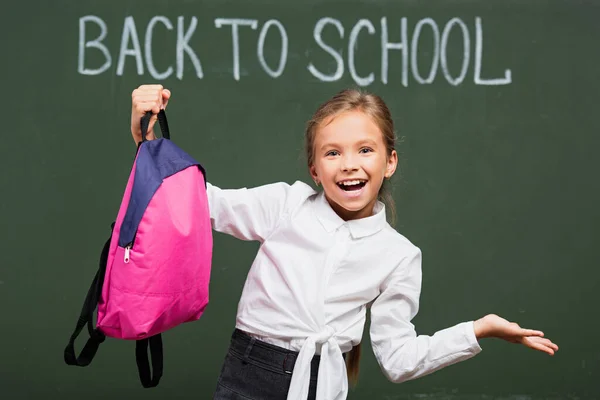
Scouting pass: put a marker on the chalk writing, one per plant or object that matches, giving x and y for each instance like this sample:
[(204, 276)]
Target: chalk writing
[(339, 72), (252, 23), (392, 36), (284, 48), (363, 23)]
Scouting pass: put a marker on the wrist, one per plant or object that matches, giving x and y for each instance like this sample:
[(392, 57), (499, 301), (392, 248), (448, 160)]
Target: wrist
[(481, 328)]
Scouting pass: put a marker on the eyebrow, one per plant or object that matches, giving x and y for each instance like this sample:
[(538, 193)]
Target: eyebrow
[(326, 145), (370, 142), (367, 141)]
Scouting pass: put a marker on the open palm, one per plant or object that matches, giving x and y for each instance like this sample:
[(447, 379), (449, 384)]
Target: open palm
[(495, 326)]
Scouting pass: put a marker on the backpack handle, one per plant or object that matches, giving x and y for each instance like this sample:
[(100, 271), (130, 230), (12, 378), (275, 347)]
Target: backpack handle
[(162, 121)]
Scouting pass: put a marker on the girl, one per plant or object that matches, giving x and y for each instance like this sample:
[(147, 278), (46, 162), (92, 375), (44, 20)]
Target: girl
[(324, 257)]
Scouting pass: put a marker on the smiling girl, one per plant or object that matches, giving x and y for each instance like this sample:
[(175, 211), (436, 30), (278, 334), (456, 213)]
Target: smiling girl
[(324, 257)]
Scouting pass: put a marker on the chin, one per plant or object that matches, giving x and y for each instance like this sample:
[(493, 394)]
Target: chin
[(352, 206)]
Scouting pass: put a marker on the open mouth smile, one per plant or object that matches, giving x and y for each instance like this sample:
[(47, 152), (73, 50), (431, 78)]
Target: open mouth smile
[(351, 185)]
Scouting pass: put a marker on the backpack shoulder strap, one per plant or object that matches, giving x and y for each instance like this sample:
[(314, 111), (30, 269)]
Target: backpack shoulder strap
[(87, 317), (141, 358)]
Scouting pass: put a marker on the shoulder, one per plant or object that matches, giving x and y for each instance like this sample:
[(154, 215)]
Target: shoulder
[(292, 193), (298, 193), (296, 189), (302, 189), (400, 247), (393, 237)]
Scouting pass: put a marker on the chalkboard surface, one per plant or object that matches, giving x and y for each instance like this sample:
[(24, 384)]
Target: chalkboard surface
[(497, 105)]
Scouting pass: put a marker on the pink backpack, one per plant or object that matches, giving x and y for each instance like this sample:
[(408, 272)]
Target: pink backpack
[(155, 267)]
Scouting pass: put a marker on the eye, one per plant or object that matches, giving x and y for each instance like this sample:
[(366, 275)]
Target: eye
[(331, 153), (365, 150)]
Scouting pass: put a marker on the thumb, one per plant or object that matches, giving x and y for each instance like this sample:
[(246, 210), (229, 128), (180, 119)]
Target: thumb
[(166, 95)]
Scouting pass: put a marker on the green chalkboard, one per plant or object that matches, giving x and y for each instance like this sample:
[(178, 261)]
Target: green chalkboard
[(497, 105)]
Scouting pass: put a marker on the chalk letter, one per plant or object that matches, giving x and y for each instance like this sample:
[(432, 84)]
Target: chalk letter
[(284, 48), (466, 51), (414, 50), (96, 43), (130, 32), (182, 45), (148, 48), (478, 55), (352, 45), (386, 46), (234, 22), (338, 58)]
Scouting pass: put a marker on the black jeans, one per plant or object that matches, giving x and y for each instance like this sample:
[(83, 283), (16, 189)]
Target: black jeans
[(257, 370)]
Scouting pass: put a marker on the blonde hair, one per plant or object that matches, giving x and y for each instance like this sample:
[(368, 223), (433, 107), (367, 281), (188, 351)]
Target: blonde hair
[(373, 106)]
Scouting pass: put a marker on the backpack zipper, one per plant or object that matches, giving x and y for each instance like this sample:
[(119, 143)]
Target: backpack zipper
[(127, 249)]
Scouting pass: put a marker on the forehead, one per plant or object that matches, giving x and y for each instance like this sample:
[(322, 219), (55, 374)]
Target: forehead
[(347, 128)]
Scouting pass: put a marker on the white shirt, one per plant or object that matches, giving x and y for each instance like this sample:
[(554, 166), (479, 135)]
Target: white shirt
[(313, 277)]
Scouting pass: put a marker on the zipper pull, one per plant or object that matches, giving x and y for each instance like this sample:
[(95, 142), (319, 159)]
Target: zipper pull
[(126, 259)]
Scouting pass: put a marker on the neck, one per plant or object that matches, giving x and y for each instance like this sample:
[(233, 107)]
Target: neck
[(348, 215)]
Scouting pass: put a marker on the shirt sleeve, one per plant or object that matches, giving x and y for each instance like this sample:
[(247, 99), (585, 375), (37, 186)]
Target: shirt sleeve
[(401, 354), (247, 213)]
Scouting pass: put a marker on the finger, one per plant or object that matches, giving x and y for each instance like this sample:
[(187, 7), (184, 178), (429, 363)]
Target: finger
[(531, 332), (150, 96), (152, 99), (545, 349), (545, 342), (150, 87), (538, 345), (142, 95), (548, 343), (144, 107), (166, 94), (141, 106)]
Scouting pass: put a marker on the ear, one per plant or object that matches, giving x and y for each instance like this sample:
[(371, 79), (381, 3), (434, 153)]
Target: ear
[(313, 173), (392, 163)]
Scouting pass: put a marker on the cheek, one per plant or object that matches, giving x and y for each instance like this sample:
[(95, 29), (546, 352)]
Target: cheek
[(318, 166), (325, 168), (376, 166)]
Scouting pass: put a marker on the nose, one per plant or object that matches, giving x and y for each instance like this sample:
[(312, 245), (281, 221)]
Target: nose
[(349, 163)]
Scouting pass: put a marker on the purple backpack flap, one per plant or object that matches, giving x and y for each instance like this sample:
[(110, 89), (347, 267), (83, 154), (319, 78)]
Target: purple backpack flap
[(155, 267)]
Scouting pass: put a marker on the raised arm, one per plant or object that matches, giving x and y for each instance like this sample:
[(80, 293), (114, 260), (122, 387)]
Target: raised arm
[(247, 214)]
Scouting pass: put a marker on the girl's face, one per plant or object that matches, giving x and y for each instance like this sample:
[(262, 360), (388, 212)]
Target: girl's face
[(351, 162)]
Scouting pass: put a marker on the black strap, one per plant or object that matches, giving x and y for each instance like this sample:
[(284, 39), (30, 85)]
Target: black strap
[(162, 121), (97, 337), (87, 317), (141, 358), (164, 125)]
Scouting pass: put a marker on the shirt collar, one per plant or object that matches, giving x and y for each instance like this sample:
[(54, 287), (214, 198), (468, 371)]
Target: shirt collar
[(358, 227)]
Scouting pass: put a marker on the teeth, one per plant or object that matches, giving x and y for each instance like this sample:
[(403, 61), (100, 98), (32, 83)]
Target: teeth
[(351, 183)]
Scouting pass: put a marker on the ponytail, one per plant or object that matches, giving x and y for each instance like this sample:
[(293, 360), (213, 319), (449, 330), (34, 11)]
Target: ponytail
[(385, 196), (353, 365)]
